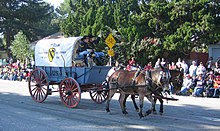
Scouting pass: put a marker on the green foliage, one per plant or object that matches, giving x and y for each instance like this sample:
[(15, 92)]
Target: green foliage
[(179, 26), (21, 47), (33, 17), (1, 43)]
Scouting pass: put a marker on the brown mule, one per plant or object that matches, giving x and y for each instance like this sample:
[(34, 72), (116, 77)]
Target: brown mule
[(159, 82), (125, 83)]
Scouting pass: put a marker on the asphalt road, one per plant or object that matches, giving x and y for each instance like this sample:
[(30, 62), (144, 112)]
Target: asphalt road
[(18, 112)]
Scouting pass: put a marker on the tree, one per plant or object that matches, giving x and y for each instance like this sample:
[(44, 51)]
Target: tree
[(181, 26), (192, 25), (33, 17), (21, 47), (1, 44), (149, 28)]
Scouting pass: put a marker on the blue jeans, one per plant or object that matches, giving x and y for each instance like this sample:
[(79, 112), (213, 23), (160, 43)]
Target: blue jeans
[(85, 53), (171, 88), (99, 54), (184, 90), (214, 92), (198, 91)]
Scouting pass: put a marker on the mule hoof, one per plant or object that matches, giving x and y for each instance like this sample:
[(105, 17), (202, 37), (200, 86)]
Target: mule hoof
[(141, 115), (107, 110), (125, 112), (154, 112), (137, 110), (161, 113), (148, 112)]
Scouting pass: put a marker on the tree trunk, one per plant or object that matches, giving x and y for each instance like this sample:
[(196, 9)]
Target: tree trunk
[(8, 42)]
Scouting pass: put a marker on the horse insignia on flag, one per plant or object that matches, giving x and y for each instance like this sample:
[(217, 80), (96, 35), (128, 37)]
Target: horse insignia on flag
[(51, 54)]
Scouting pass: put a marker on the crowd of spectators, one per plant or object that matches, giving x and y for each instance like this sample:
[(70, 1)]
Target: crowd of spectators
[(200, 79), (15, 71)]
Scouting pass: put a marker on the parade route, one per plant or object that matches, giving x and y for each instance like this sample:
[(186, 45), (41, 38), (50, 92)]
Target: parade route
[(19, 112)]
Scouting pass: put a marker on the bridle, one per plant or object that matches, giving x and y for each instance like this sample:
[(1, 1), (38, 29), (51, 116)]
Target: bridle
[(164, 77)]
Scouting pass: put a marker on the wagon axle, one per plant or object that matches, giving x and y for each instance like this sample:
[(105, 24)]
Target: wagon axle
[(69, 93)]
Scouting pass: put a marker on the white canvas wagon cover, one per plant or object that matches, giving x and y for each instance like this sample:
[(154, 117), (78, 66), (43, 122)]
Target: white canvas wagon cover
[(55, 52)]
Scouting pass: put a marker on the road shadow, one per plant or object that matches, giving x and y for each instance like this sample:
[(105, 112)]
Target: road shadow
[(184, 117)]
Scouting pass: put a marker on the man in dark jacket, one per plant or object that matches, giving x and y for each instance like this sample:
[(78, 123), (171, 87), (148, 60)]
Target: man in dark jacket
[(86, 49)]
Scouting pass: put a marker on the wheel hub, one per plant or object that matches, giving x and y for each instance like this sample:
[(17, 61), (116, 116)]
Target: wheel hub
[(38, 85), (68, 92)]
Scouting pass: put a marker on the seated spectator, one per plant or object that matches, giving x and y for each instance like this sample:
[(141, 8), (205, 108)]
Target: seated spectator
[(26, 75), (163, 62), (187, 85), (20, 76), (185, 67), (180, 68), (15, 76), (201, 70), (11, 74), (157, 64), (5, 69), (209, 64), (192, 69), (5, 76), (200, 84), (179, 63), (214, 92), (148, 66), (1, 74), (172, 66), (209, 84), (216, 69), (131, 64)]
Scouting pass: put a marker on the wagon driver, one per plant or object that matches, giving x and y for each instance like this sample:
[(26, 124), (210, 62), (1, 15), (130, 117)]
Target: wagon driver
[(94, 41), (88, 42)]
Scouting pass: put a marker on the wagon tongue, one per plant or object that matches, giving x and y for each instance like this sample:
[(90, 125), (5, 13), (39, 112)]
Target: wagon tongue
[(166, 98)]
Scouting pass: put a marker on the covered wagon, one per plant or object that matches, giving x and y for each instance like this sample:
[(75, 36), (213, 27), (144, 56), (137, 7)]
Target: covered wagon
[(55, 64)]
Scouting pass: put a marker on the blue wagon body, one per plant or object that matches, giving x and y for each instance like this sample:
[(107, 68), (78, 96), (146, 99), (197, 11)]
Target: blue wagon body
[(83, 75)]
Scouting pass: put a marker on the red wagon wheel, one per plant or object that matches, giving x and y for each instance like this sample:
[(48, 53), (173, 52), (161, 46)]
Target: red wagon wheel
[(70, 92), (101, 94), (38, 85)]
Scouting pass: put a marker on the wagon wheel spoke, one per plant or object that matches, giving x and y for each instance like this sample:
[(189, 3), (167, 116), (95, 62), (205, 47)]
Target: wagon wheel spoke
[(70, 92), (100, 95), (72, 101), (74, 89), (34, 94), (98, 98), (38, 85), (73, 98), (41, 94), (65, 98)]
